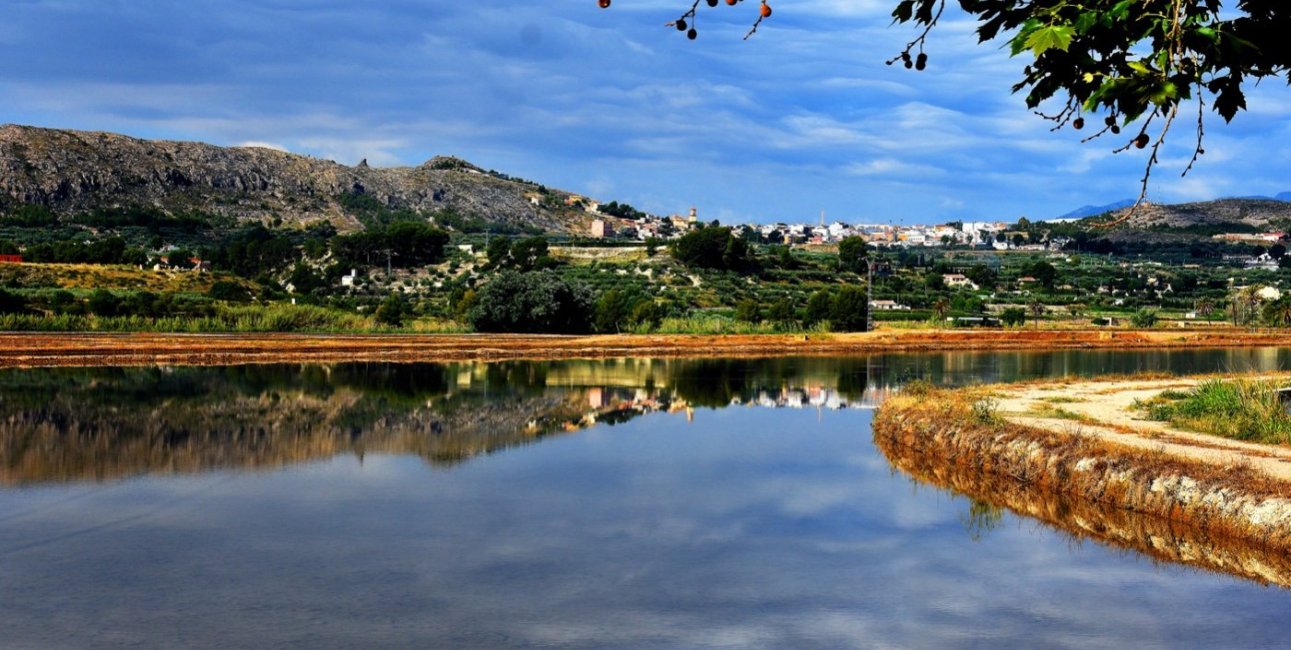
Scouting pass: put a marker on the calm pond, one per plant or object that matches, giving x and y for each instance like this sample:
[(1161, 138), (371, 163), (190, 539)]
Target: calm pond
[(623, 503)]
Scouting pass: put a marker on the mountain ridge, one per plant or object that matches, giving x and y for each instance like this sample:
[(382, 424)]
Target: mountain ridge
[(72, 171)]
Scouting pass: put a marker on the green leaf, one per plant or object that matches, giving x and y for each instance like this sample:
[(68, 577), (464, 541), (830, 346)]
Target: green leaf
[(1050, 37), (1165, 94), (903, 11), (1121, 10), (1085, 22)]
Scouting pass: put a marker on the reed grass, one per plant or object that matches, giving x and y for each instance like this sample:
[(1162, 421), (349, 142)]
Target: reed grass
[(228, 319), (1240, 409)]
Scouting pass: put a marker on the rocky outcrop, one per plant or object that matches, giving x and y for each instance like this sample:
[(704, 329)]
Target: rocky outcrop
[(76, 171)]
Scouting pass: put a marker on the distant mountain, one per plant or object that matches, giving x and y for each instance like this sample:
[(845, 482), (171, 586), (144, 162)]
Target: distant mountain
[(1192, 221), (77, 171), (1095, 210)]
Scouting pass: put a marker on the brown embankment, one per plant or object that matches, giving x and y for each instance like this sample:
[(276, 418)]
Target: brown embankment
[(1224, 518), (80, 349)]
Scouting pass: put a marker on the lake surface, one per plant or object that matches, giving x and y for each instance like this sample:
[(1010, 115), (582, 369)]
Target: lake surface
[(625, 504)]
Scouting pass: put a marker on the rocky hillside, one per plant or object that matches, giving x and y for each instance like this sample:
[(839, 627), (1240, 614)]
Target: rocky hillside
[(77, 171), (1257, 213)]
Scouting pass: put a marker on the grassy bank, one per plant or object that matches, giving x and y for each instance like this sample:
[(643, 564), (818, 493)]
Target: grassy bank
[(1162, 539), (961, 431), (1237, 408)]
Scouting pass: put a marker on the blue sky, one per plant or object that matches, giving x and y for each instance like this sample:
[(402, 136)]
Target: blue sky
[(801, 118)]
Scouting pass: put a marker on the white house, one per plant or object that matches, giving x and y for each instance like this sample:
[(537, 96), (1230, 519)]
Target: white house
[(958, 280), (888, 305)]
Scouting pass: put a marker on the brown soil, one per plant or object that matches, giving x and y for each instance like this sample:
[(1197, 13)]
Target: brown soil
[(80, 349)]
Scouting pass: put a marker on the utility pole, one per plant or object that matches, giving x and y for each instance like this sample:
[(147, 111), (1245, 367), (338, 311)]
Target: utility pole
[(869, 294)]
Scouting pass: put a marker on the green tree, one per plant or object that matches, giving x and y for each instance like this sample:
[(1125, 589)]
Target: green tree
[(62, 301), (1144, 318), (1037, 310), (104, 303), (748, 310), (180, 258), (646, 313), (229, 290), (982, 276), (782, 311), (392, 310), (531, 253), (620, 310), (1014, 316), (498, 251), (534, 302), (819, 306), (11, 303), (1043, 272), (1278, 312), (1127, 58), (712, 247), (853, 254), (849, 310)]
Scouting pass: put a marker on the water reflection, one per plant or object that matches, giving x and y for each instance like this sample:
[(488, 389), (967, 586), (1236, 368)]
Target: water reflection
[(106, 423), (1161, 539), (731, 504)]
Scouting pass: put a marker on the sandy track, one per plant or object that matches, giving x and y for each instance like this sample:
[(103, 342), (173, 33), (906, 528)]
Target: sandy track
[(1104, 410)]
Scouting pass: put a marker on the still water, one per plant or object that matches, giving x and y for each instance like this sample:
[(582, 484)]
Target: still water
[(624, 504)]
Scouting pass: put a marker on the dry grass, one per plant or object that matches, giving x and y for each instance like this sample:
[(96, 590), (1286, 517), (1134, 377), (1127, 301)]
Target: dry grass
[(1241, 409), (1218, 499), (105, 276)]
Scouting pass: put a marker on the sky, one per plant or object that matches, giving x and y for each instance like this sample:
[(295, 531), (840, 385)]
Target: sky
[(801, 118)]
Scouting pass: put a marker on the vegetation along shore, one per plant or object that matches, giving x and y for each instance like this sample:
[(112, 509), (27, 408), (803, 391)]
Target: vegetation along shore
[(26, 349), (1134, 474), (148, 236)]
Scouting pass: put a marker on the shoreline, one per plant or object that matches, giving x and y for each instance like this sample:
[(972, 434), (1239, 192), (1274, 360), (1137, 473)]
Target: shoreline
[(50, 349), (1202, 500)]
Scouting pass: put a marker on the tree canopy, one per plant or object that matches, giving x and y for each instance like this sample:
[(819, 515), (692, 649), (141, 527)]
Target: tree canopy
[(1126, 59), (1131, 62)]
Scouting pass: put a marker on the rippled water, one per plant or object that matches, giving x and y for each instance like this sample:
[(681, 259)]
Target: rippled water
[(629, 503)]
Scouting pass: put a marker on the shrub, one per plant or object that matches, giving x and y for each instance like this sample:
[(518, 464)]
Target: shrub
[(1014, 316), (535, 302), (748, 310), (11, 303), (819, 306), (848, 310), (1144, 318), (229, 291), (782, 311), (104, 303), (392, 310), (986, 410), (619, 310)]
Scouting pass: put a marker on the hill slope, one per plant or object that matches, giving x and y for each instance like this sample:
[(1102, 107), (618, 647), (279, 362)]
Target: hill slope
[(76, 171), (1249, 214)]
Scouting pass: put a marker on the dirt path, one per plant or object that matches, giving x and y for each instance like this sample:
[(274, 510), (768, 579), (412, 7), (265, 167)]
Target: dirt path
[(1104, 410), (79, 349)]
